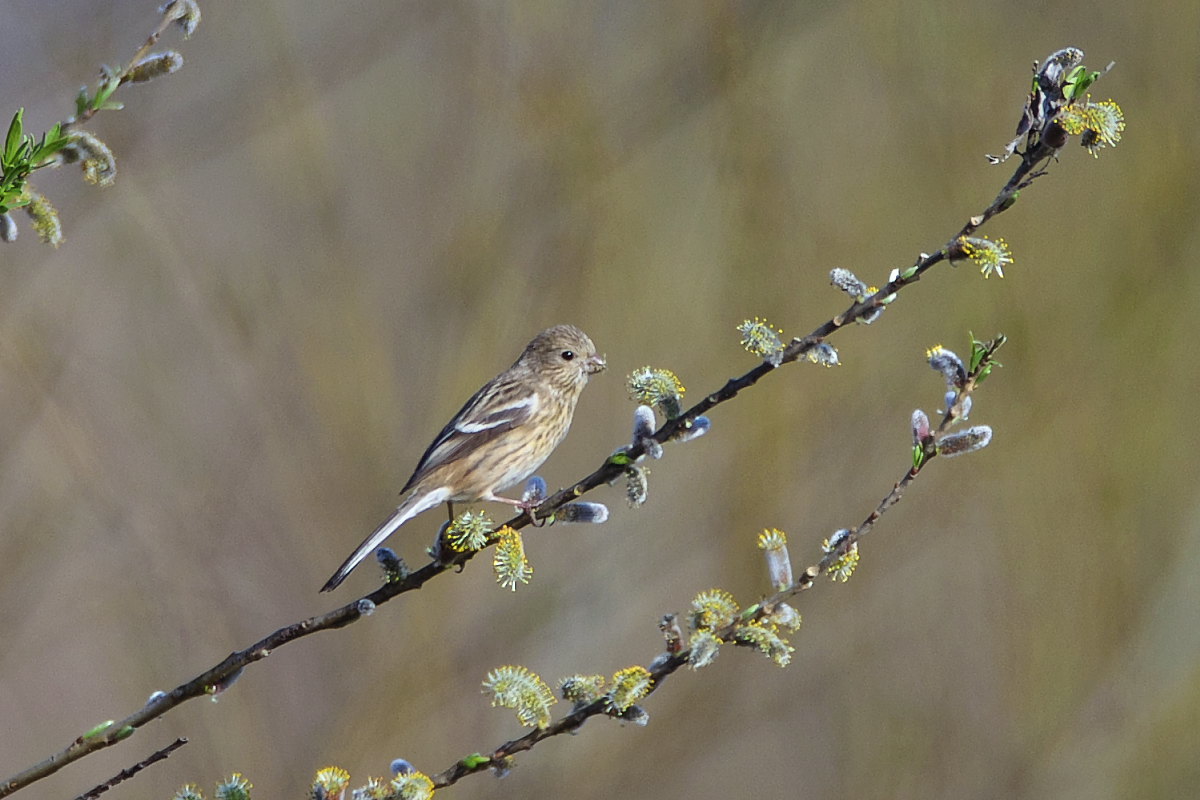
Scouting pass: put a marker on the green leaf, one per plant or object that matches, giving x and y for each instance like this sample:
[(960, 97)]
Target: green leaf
[(983, 375), (103, 93), (99, 729), (12, 142), (978, 350), (52, 141), (475, 760), (1078, 81), (918, 456), (981, 350), (620, 459), (82, 102)]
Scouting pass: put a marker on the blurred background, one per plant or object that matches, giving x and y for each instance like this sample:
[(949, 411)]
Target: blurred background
[(339, 219)]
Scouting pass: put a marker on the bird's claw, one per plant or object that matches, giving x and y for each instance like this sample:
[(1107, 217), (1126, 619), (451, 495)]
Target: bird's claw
[(530, 510)]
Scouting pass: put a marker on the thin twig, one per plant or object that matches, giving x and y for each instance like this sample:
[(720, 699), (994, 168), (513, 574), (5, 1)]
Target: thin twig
[(129, 772), (151, 40)]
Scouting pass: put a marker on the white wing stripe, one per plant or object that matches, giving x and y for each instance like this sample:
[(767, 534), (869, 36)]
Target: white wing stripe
[(501, 415)]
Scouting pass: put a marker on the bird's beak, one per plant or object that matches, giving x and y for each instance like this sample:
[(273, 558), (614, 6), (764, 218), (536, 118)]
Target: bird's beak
[(595, 364)]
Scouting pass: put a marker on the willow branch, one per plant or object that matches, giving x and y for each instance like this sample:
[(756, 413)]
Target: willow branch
[(223, 673), (669, 663)]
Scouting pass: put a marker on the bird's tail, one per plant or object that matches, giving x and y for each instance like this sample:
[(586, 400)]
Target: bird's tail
[(411, 506)]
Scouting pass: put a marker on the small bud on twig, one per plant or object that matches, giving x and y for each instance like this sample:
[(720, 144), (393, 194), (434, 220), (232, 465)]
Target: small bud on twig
[(643, 431), (693, 429), (535, 491), (773, 542), (394, 568), (184, 13), (153, 66), (968, 441), (582, 512), (8, 227), (669, 625), (636, 486)]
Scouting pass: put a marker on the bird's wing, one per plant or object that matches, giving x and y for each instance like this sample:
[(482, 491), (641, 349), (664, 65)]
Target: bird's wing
[(495, 409)]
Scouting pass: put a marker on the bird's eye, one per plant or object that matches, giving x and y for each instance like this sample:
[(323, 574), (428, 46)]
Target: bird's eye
[(568, 355)]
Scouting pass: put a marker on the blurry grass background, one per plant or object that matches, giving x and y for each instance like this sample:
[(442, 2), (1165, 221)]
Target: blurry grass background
[(339, 219)]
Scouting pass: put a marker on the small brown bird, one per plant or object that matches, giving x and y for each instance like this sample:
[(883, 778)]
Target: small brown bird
[(503, 433)]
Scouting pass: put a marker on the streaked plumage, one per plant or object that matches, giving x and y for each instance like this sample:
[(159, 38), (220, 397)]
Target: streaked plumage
[(503, 433)]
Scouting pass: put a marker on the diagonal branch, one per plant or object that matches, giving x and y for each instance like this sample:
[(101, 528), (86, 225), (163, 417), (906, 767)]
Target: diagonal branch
[(222, 674)]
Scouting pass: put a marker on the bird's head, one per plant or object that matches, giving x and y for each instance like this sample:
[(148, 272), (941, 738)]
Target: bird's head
[(564, 354)]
